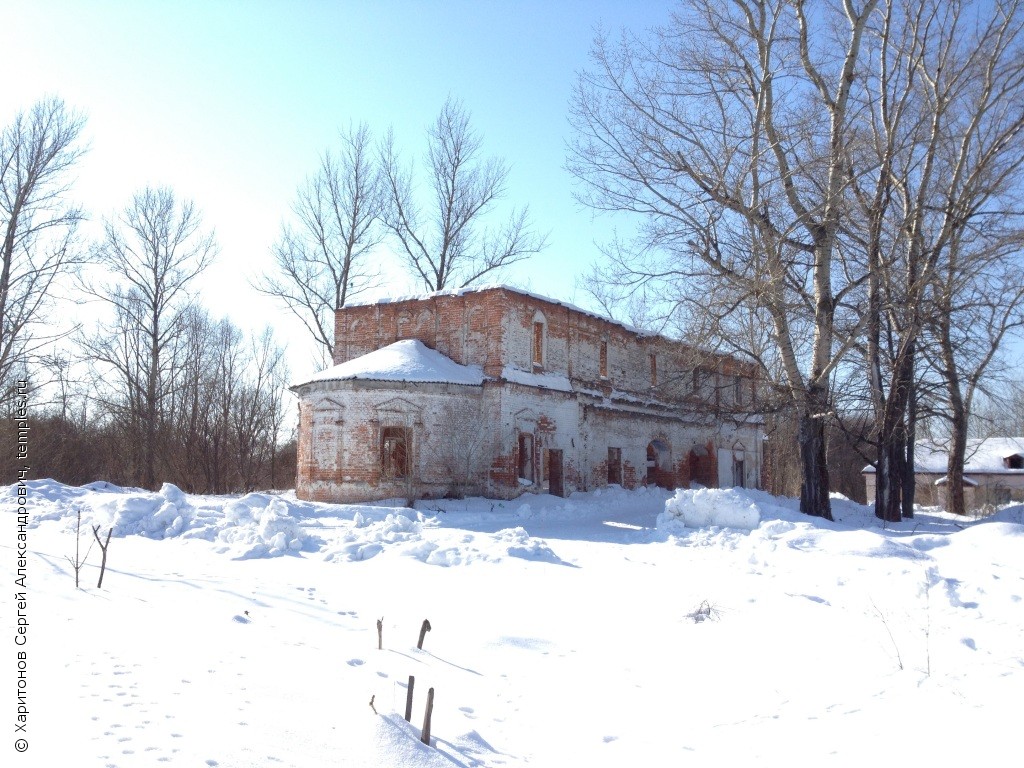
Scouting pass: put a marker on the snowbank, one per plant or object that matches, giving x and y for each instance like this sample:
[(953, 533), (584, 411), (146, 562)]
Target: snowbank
[(710, 507), (254, 525), (917, 621), (367, 538)]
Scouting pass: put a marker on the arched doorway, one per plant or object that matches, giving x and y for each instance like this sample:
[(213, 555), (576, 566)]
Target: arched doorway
[(739, 473), (659, 464), (702, 467)]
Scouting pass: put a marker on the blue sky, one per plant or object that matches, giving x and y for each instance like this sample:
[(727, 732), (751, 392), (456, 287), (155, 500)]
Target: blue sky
[(230, 102)]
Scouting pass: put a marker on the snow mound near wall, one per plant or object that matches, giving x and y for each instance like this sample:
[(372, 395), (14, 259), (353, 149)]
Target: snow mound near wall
[(710, 507), (367, 538), (257, 525)]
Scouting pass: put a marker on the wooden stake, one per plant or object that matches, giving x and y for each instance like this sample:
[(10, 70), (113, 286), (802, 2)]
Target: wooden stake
[(380, 633), (408, 699), (425, 737), (423, 633)]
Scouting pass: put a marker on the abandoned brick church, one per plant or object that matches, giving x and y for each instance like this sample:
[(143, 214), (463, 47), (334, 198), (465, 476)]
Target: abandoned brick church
[(497, 392)]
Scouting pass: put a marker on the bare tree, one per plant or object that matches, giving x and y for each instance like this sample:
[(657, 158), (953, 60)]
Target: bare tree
[(225, 408), (462, 449), (726, 133), (979, 286), (151, 254), (444, 242), (322, 259), (978, 311), (38, 151), (257, 413), (942, 209), (104, 544), (78, 562), (816, 169)]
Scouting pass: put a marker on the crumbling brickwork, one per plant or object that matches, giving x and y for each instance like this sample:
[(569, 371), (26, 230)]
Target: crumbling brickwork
[(568, 401)]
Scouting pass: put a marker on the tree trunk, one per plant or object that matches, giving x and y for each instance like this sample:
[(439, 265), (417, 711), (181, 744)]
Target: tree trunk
[(149, 448), (909, 468), (889, 473), (814, 498), (893, 441), (955, 502)]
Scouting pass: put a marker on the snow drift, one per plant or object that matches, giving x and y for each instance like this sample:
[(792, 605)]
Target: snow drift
[(710, 507), (254, 525)]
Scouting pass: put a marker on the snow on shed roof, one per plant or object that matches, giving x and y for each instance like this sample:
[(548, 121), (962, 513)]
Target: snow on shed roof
[(945, 481), (405, 360), (983, 456)]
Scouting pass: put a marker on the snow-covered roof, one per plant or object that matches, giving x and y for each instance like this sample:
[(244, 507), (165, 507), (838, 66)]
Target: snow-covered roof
[(983, 456), (945, 481), (405, 360)]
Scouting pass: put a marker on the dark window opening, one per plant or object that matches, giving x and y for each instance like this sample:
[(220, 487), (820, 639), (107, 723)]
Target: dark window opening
[(1015, 462), (538, 344), (701, 380), (614, 466), (526, 471), (604, 359), (738, 473), (654, 370), (556, 487), (394, 452)]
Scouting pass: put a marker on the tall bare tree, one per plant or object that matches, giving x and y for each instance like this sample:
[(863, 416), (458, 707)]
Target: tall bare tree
[(942, 209), (257, 411), (442, 235), (38, 151), (726, 132), (322, 258), (979, 287), (977, 312), (151, 253)]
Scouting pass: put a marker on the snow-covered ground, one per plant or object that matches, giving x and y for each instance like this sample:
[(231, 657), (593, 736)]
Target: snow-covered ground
[(609, 629)]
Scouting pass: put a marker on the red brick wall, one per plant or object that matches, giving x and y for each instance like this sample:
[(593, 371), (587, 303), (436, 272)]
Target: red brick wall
[(493, 328)]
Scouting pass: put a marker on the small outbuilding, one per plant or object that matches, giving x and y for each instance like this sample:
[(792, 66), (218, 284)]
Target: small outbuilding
[(993, 472)]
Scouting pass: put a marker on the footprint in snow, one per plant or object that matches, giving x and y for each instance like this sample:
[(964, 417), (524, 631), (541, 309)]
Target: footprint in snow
[(355, 662), (239, 619)]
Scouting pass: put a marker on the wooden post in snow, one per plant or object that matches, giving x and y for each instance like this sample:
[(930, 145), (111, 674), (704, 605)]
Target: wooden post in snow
[(423, 633), (380, 633), (425, 737), (408, 699)]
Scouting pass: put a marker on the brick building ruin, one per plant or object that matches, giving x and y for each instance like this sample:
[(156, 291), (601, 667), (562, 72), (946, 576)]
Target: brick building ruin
[(498, 392)]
